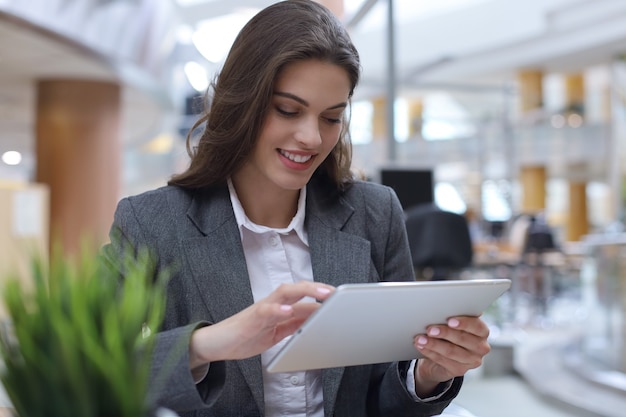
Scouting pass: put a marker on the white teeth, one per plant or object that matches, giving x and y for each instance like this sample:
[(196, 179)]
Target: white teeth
[(296, 158)]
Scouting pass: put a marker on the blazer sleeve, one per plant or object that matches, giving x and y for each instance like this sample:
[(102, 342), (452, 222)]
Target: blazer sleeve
[(171, 384)]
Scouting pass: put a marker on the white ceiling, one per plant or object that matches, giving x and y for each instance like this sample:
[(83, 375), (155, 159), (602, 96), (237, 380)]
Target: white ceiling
[(29, 53), (480, 46)]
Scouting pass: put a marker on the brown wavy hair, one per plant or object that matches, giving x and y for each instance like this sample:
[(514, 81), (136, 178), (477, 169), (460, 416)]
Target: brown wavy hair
[(281, 34)]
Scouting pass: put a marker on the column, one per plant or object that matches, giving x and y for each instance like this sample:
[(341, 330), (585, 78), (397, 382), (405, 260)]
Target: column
[(533, 180), (379, 118), (530, 90), (78, 157), (577, 222), (416, 110), (575, 93)]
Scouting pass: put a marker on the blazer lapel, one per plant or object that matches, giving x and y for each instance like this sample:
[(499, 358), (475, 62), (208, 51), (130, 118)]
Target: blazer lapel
[(226, 289), (337, 257)]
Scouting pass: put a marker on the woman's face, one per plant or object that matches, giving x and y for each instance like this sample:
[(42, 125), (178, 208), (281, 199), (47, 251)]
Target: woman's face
[(301, 127)]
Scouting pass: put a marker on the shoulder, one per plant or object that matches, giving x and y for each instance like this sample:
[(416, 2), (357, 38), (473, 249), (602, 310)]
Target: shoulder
[(153, 203), (371, 202), (370, 194), (159, 196), (371, 188), (357, 195), (376, 212)]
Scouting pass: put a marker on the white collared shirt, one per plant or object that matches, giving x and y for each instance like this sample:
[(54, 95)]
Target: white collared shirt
[(273, 257)]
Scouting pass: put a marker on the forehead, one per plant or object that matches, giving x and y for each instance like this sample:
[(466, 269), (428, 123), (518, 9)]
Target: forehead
[(314, 80)]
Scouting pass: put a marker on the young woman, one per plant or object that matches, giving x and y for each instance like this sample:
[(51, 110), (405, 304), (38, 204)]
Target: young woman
[(269, 216)]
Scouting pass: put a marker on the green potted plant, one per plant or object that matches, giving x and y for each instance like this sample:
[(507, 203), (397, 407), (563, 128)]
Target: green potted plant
[(77, 341)]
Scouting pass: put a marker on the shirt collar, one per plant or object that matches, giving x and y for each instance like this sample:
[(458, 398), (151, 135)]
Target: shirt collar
[(296, 224)]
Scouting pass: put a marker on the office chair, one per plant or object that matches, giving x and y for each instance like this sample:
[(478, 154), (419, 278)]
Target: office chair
[(440, 242), (539, 241)]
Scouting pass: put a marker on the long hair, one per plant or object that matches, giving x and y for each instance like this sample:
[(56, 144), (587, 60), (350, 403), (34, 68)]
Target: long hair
[(283, 33)]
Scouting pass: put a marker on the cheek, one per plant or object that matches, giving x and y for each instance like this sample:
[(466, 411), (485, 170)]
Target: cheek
[(269, 125), (269, 132), (330, 136)]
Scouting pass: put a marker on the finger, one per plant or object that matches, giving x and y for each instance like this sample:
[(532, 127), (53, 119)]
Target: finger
[(452, 344), (467, 353), (292, 293), (473, 325), (304, 309), (453, 349), (270, 315), (299, 313), (288, 327), (470, 342), (445, 363), (265, 314)]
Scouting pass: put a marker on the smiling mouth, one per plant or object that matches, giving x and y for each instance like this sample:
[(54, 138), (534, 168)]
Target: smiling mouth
[(301, 159)]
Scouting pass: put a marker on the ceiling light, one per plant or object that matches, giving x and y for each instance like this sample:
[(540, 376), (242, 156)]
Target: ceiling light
[(12, 158)]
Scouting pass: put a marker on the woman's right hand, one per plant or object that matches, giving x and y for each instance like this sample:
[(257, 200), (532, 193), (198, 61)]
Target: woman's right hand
[(258, 327)]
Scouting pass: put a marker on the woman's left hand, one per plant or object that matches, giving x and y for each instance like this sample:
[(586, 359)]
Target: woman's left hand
[(449, 351)]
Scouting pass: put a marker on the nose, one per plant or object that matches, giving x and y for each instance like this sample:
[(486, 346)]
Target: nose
[(308, 133)]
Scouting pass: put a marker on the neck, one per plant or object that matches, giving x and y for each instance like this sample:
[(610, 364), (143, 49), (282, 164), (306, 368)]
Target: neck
[(267, 208)]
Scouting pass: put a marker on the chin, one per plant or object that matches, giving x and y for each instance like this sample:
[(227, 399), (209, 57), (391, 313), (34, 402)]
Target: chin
[(294, 184)]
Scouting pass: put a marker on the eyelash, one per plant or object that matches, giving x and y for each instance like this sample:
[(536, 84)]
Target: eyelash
[(292, 114), (286, 113)]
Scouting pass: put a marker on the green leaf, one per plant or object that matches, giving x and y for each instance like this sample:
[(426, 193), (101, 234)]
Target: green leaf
[(74, 344)]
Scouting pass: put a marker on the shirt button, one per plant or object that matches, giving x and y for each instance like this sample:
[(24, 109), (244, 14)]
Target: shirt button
[(273, 241), (294, 380)]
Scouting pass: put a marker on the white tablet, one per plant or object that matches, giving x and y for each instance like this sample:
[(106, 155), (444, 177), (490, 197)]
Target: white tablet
[(376, 322)]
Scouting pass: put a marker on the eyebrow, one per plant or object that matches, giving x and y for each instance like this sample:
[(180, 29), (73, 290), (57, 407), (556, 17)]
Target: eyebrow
[(306, 103)]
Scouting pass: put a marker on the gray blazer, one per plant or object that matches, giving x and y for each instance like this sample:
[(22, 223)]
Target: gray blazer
[(358, 236)]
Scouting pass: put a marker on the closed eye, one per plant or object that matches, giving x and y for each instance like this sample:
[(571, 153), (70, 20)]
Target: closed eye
[(286, 113), (334, 117)]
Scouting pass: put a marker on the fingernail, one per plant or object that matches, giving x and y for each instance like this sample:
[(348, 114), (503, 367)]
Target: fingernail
[(323, 290), (422, 340), (453, 323), (285, 307), (434, 331)]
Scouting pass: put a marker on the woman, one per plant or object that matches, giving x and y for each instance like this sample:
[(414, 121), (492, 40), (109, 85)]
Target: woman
[(268, 216)]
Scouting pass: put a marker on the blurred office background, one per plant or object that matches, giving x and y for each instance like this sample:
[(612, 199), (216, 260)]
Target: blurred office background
[(515, 110)]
